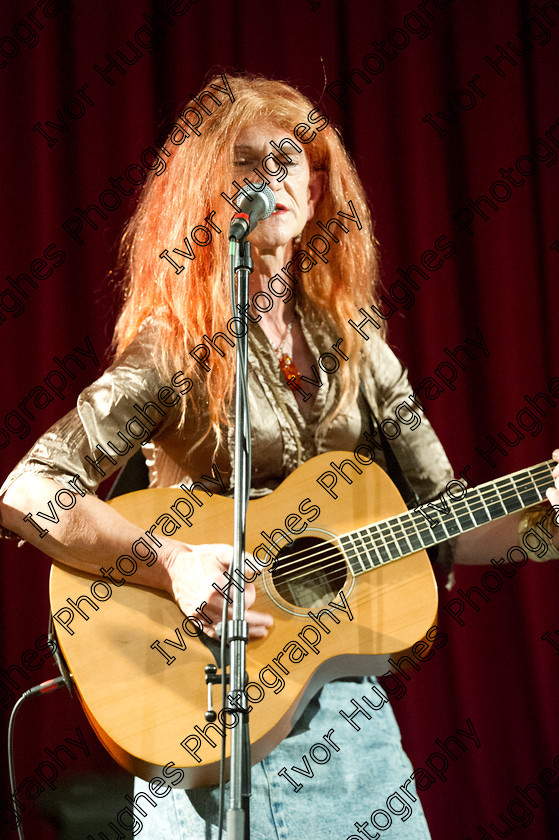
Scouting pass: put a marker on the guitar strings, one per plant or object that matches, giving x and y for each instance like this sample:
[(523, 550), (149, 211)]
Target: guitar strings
[(420, 529), (407, 518)]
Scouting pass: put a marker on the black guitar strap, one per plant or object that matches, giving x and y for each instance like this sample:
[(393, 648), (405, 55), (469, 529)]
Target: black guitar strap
[(393, 467)]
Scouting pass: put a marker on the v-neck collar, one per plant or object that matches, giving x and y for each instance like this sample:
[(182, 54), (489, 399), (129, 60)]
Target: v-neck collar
[(266, 350)]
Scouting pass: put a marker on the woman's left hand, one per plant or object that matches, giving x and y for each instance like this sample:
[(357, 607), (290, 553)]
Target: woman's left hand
[(552, 493)]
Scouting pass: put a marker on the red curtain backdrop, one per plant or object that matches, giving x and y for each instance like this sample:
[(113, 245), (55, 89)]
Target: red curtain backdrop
[(451, 112)]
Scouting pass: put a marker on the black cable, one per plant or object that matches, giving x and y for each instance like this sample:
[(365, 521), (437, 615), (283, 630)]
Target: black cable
[(43, 688), (247, 429), (223, 649)]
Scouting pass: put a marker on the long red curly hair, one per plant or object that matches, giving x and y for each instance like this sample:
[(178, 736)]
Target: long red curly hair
[(196, 301)]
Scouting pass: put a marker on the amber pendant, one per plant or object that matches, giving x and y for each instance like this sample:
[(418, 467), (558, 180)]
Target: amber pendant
[(290, 371)]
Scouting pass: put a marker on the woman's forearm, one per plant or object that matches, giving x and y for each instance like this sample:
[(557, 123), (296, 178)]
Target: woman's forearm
[(488, 541), (90, 536)]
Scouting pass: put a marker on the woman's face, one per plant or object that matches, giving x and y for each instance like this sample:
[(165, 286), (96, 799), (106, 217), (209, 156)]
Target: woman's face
[(295, 189)]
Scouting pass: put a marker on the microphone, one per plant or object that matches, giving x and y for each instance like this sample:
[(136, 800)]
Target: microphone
[(257, 201)]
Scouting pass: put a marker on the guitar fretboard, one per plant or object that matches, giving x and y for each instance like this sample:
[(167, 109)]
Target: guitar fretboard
[(434, 522)]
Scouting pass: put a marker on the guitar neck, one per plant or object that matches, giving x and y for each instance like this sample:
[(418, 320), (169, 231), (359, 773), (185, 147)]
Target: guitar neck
[(456, 511)]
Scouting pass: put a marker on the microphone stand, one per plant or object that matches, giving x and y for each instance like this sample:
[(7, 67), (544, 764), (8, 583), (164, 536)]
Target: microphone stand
[(238, 827)]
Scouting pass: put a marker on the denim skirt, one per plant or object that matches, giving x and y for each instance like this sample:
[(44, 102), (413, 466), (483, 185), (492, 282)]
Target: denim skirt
[(353, 784)]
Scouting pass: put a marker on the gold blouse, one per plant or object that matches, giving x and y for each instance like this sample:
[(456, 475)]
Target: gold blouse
[(131, 401)]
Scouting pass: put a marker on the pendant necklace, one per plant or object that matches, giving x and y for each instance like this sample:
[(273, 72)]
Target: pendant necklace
[(287, 366)]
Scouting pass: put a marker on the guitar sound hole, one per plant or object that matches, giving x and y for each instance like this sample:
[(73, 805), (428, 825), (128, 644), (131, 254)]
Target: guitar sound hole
[(309, 572)]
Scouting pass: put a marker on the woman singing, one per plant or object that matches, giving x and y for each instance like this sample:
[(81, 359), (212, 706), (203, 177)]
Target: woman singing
[(172, 333)]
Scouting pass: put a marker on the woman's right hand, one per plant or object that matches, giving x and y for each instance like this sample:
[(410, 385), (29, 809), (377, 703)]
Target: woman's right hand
[(192, 569), (93, 534)]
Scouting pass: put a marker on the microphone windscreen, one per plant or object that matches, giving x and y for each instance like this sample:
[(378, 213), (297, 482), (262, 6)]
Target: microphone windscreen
[(257, 198)]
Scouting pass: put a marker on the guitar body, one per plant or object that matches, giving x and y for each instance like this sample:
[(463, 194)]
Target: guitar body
[(143, 701)]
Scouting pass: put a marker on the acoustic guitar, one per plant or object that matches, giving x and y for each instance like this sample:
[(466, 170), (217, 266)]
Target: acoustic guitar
[(341, 565)]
